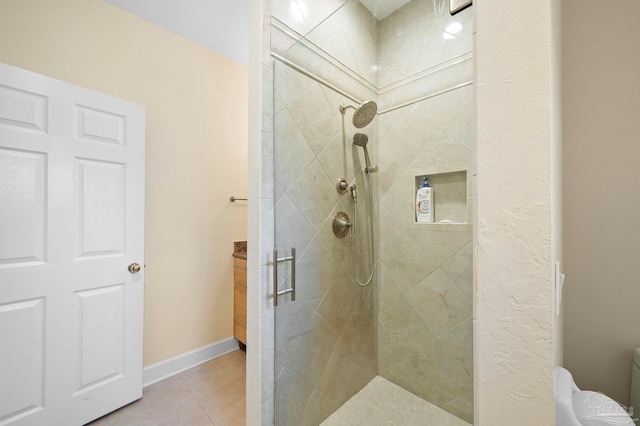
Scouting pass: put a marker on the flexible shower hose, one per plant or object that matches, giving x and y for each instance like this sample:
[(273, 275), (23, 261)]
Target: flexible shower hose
[(355, 234)]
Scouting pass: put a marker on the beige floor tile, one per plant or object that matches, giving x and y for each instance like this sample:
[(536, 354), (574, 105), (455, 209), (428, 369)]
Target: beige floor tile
[(215, 374), (211, 394)]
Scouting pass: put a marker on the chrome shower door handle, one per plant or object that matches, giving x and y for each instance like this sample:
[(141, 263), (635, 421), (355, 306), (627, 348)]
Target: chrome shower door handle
[(292, 289)]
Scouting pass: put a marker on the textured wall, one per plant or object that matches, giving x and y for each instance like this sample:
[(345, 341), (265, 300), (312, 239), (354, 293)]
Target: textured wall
[(196, 109), (425, 330), (514, 210), (601, 110)]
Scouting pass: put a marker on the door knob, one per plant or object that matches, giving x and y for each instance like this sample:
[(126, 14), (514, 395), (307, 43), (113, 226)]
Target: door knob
[(134, 268)]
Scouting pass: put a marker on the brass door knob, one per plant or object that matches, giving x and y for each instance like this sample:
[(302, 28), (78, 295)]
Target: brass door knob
[(134, 267)]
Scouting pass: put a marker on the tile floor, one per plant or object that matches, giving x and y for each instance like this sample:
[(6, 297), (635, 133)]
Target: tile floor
[(209, 394), (213, 394), (384, 403)]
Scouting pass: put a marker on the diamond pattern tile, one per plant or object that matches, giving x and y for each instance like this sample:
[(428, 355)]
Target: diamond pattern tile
[(413, 324)]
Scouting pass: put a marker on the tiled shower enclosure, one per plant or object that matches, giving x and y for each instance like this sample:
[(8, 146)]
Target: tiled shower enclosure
[(412, 325)]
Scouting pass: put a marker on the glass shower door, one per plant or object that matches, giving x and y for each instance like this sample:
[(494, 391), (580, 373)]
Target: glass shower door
[(325, 328)]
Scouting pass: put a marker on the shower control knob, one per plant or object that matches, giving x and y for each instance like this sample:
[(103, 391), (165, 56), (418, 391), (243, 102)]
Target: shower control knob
[(134, 268), (341, 225)]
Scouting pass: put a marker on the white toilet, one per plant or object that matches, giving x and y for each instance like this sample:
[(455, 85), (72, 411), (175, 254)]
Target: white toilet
[(584, 408)]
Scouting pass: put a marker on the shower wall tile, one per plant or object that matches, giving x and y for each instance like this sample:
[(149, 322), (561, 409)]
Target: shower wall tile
[(440, 376), (319, 408), (388, 351), (461, 407), (407, 136), (336, 159), (460, 125), (439, 109), (316, 269), (339, 247), (406, 326), (311, 355), (389, 228), (314, 194), (291, 13), (350, 35), (389, 291), (292, 229), (426, 270), (399, 198), (266, 305), (293, 319), (439, 302), (293, 392), (265, 47), (267, 371), (441, 149), (351, 365), (459, 341), (440, 245), (267, 412), (403, 375), (386, 120), (289, 83), (267, 200), (423, 20), (420, 344), (268, 178), (407, 263), (267, 98), (326, 341), (455, 73), (339, 303), (315, 118), (317, 11), (294, 157), (392, 170), (459, 269)]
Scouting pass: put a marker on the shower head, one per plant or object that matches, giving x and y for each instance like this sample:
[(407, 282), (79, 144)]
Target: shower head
[(364, 115), (360, 139)]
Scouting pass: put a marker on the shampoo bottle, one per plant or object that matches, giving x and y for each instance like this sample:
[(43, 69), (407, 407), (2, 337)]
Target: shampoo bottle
[(424, 202)]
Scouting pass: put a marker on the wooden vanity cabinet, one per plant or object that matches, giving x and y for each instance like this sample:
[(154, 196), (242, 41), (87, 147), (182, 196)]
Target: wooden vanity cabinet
[(240, 301)]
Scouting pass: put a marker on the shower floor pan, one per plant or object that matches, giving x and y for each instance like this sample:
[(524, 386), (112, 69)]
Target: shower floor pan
[(384, 403)]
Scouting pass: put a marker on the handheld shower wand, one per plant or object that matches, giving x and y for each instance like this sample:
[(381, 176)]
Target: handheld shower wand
[(360, 139)]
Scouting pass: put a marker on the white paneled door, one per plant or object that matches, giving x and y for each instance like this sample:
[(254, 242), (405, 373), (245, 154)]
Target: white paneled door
[(71, 224)]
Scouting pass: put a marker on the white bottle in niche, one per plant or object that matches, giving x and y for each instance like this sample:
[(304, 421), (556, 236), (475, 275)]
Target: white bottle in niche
[(424, 203)]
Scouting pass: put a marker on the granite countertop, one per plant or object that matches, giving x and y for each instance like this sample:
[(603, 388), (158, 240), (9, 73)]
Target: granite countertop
[(240, 249)]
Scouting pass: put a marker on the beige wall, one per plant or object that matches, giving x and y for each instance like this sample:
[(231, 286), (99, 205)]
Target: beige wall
[(196, 102), (515, 243), (601, 199)]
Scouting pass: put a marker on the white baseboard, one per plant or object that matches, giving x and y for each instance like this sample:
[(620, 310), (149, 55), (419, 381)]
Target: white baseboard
[(172, 366)]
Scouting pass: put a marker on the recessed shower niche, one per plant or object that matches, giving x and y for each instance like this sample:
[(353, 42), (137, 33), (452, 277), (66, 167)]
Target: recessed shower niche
[(451, 199)]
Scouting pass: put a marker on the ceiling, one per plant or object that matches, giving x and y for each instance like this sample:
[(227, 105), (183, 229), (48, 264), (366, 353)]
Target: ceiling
[(383, 8)]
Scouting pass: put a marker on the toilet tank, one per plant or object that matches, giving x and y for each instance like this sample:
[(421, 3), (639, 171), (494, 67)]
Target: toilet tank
[(634, 401)]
